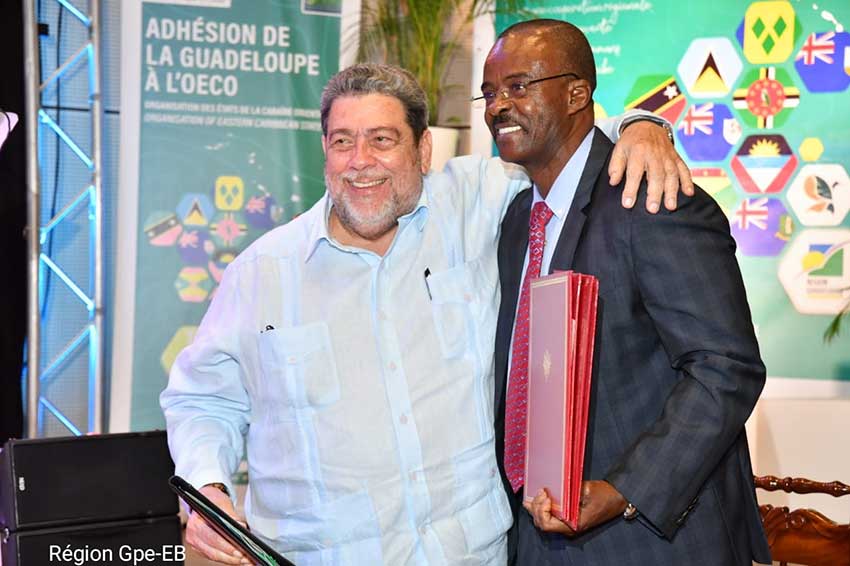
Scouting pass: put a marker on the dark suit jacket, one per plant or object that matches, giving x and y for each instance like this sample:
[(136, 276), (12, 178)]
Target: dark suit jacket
[(677, 372)]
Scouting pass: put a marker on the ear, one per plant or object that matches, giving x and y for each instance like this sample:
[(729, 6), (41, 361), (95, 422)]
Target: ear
[(579, 96), (425, 146)]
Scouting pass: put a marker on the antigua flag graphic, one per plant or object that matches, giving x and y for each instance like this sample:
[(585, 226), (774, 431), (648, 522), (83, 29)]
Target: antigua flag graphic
[(708, 131), (659, 94), (764, 164), (761, 226), (822, 61)]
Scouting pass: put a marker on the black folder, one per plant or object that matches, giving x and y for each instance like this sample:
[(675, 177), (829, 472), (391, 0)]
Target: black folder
[(240, 537)]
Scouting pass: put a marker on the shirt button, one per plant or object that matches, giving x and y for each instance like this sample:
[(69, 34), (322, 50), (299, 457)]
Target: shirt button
[(290, 359), (403, 419), (392, 366), (382, 315), (467, 297)]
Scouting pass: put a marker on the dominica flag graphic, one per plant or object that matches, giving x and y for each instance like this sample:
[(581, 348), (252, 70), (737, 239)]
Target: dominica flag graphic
[(659, 94), (823, 60), (767, 99)]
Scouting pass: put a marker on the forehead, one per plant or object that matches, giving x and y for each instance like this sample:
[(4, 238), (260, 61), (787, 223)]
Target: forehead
[(530, 52), (367, 112)]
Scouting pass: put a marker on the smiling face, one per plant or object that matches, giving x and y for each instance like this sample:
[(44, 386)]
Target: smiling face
[(373, 165), (534, 130)]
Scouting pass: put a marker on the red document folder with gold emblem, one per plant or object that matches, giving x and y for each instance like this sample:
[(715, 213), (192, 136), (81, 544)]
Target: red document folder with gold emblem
[(562, 328)]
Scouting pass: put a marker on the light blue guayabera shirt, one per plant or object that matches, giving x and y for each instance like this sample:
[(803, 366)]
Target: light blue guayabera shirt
[(364, 388)]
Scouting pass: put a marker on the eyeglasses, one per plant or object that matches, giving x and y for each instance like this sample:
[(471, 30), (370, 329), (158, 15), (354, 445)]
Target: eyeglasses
[(516, 89)]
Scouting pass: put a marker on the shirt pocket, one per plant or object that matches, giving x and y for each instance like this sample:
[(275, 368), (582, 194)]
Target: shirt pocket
[(298, 367), (450, 298), (342, 530), (464, 300), (482, 506)]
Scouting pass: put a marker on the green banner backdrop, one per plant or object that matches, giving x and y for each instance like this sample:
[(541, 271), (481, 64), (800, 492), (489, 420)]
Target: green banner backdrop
[(228, 147), (758, 93)]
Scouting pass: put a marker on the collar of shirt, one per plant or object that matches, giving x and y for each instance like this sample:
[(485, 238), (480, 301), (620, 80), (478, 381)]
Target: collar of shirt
[(320, 231), (560, 198)]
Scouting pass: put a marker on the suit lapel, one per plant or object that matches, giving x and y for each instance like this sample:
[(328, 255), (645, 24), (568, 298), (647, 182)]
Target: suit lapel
[(562, 258)]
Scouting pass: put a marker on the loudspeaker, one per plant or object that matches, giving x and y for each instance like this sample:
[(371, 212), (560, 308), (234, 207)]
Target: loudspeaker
[(143, 541), (50, 482)]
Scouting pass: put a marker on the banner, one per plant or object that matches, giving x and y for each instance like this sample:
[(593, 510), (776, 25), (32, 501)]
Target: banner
[(221, 141), (758, 95)]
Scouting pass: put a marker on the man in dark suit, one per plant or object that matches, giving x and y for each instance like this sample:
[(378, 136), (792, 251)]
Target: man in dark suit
[(677, 371)]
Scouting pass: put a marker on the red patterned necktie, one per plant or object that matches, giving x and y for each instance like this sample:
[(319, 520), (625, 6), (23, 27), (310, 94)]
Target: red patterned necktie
[(515, 409)]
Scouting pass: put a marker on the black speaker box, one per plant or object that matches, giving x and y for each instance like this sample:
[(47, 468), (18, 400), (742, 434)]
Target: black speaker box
[(142, 541), (51, 482)]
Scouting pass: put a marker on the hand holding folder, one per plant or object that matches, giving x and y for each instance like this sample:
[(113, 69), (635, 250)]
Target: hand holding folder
[(247, 542), (562, 328)]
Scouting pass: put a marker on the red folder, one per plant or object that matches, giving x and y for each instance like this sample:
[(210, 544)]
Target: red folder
[(562, 328)]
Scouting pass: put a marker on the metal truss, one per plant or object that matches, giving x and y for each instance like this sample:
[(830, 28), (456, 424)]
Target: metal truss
[(42, 127)]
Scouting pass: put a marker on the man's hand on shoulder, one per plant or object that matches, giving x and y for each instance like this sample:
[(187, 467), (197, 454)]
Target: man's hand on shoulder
[(600, 502), (201, 537), (645, 148)]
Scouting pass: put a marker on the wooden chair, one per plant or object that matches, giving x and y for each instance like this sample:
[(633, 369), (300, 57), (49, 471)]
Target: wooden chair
[(804, 536)]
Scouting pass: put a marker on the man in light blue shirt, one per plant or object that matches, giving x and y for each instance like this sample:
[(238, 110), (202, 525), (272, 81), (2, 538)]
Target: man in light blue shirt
[(353, 349)]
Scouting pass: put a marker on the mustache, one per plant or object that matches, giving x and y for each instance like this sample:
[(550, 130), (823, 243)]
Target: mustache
[(361, 176), (506, 118)]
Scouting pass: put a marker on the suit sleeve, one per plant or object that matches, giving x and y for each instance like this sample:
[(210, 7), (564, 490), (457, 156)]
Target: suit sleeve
[(691, 287)]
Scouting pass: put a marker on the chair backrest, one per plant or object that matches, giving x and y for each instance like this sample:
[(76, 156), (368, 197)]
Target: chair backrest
[(804, 536)]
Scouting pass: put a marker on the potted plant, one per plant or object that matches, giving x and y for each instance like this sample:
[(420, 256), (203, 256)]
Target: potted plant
[(422, 36)]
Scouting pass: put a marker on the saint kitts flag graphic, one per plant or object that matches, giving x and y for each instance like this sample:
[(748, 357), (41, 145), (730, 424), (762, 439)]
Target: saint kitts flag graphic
[(659, 94)]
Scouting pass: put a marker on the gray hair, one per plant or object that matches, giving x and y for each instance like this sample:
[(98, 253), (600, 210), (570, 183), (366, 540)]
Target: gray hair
[(373, 78)]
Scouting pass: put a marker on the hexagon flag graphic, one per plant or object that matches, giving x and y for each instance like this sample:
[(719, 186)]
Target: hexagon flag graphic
[(659, 94), (195, 209), (761, 226), (228, 229), (193, 284), (195, 246), (708, 131), (820, 195), (709, 67), (182, 338), (716, 183), (769, 30), (766, 97), (764, 164), (229, 192), (823, 61), (162, 228), (262, 211), (815, 271)]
